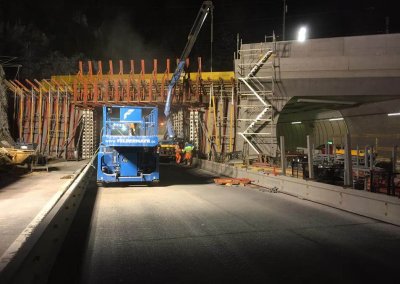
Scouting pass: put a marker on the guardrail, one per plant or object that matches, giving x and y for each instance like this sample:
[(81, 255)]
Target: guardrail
[(377, 206), (30, 257)]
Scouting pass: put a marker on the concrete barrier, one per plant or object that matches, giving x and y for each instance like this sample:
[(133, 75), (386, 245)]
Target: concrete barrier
[(30, 257), (378, 206)]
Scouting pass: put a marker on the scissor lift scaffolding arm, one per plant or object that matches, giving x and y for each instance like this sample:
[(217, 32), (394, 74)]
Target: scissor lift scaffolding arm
[(206, 7)]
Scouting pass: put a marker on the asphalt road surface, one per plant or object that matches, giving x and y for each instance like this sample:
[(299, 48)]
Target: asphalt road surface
[(189, 230)]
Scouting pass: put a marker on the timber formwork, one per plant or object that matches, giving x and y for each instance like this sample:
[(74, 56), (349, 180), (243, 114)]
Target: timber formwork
[(53, 114)]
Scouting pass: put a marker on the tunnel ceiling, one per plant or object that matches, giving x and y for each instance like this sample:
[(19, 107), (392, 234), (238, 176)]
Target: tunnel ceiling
[(299, 106)]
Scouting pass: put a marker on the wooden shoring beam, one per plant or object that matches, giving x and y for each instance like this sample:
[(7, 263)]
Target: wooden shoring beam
[(116, 93), (130, 84), (52, 87), (67, 86), (40, 120), (80, 72), (75, 91), (85, 92), (164, 80), (155, 81), (32, 117), (48, 122), (110, 66), (10, 86), (95, 90), (57, 121), (198, 80), (27, 112), (106, 86), (121, 67), (21, 116), (13, 86), (135, 89), (186, 84), (57, 85), (22, 86), (90, 68), (142, 89), (100, 71), (41, 86)]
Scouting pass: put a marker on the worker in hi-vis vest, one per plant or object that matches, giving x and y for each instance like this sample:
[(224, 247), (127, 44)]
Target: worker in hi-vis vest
[(178, 153), (188, 150)]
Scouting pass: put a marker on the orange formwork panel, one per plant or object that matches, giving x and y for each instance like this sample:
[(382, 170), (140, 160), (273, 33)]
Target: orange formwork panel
[(232, 181), (90, 89)]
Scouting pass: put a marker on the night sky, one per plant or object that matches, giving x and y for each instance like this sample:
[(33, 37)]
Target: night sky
[(49, 37)]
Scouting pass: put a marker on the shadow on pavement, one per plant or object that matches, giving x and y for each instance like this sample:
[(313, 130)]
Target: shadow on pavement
[(171, 174), (67, 268)]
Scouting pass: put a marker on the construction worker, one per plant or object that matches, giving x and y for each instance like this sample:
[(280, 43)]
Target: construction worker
[(188, 153), (132, 129), (178, 153)]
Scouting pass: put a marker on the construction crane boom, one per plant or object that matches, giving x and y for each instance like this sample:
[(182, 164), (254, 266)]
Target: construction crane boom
[(206, 7)]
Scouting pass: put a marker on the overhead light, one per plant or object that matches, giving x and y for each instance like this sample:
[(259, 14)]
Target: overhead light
[(393, 113), (334, 119), (301, 34), (326, 101), (296, 122)]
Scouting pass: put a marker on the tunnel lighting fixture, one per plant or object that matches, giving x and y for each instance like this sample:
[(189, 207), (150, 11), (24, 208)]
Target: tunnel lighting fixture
[(296, 122), (301, 34), (326, 101), (335, 119), (393, 113)]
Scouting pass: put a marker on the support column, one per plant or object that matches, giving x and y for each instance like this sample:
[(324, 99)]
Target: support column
[(348, 165), (310, 158), (394, 161), (283, 155)]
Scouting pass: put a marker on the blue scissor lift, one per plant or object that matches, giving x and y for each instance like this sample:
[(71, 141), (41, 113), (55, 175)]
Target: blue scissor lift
[(129, 145)]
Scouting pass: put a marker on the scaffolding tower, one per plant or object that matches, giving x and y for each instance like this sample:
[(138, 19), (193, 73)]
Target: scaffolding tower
[(258, 106)]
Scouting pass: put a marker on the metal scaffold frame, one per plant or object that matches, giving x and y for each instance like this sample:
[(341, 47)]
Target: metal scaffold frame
[(258, 106)]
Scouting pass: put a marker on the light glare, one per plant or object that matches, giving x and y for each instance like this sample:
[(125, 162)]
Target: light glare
[(301, 36)]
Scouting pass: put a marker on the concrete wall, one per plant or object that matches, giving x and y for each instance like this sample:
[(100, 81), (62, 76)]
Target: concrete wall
[(373, 205), (332, 66), (31, 256)]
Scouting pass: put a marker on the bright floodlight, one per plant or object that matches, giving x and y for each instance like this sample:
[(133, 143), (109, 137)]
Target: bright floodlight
[(301, 35)]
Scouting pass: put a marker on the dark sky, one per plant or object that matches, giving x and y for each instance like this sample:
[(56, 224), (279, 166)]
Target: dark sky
[(50, 31)]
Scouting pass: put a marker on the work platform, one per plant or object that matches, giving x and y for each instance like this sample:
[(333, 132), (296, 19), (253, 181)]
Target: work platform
[(24, 195)]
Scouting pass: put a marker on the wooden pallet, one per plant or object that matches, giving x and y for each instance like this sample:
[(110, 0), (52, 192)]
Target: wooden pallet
[(232, 181)]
